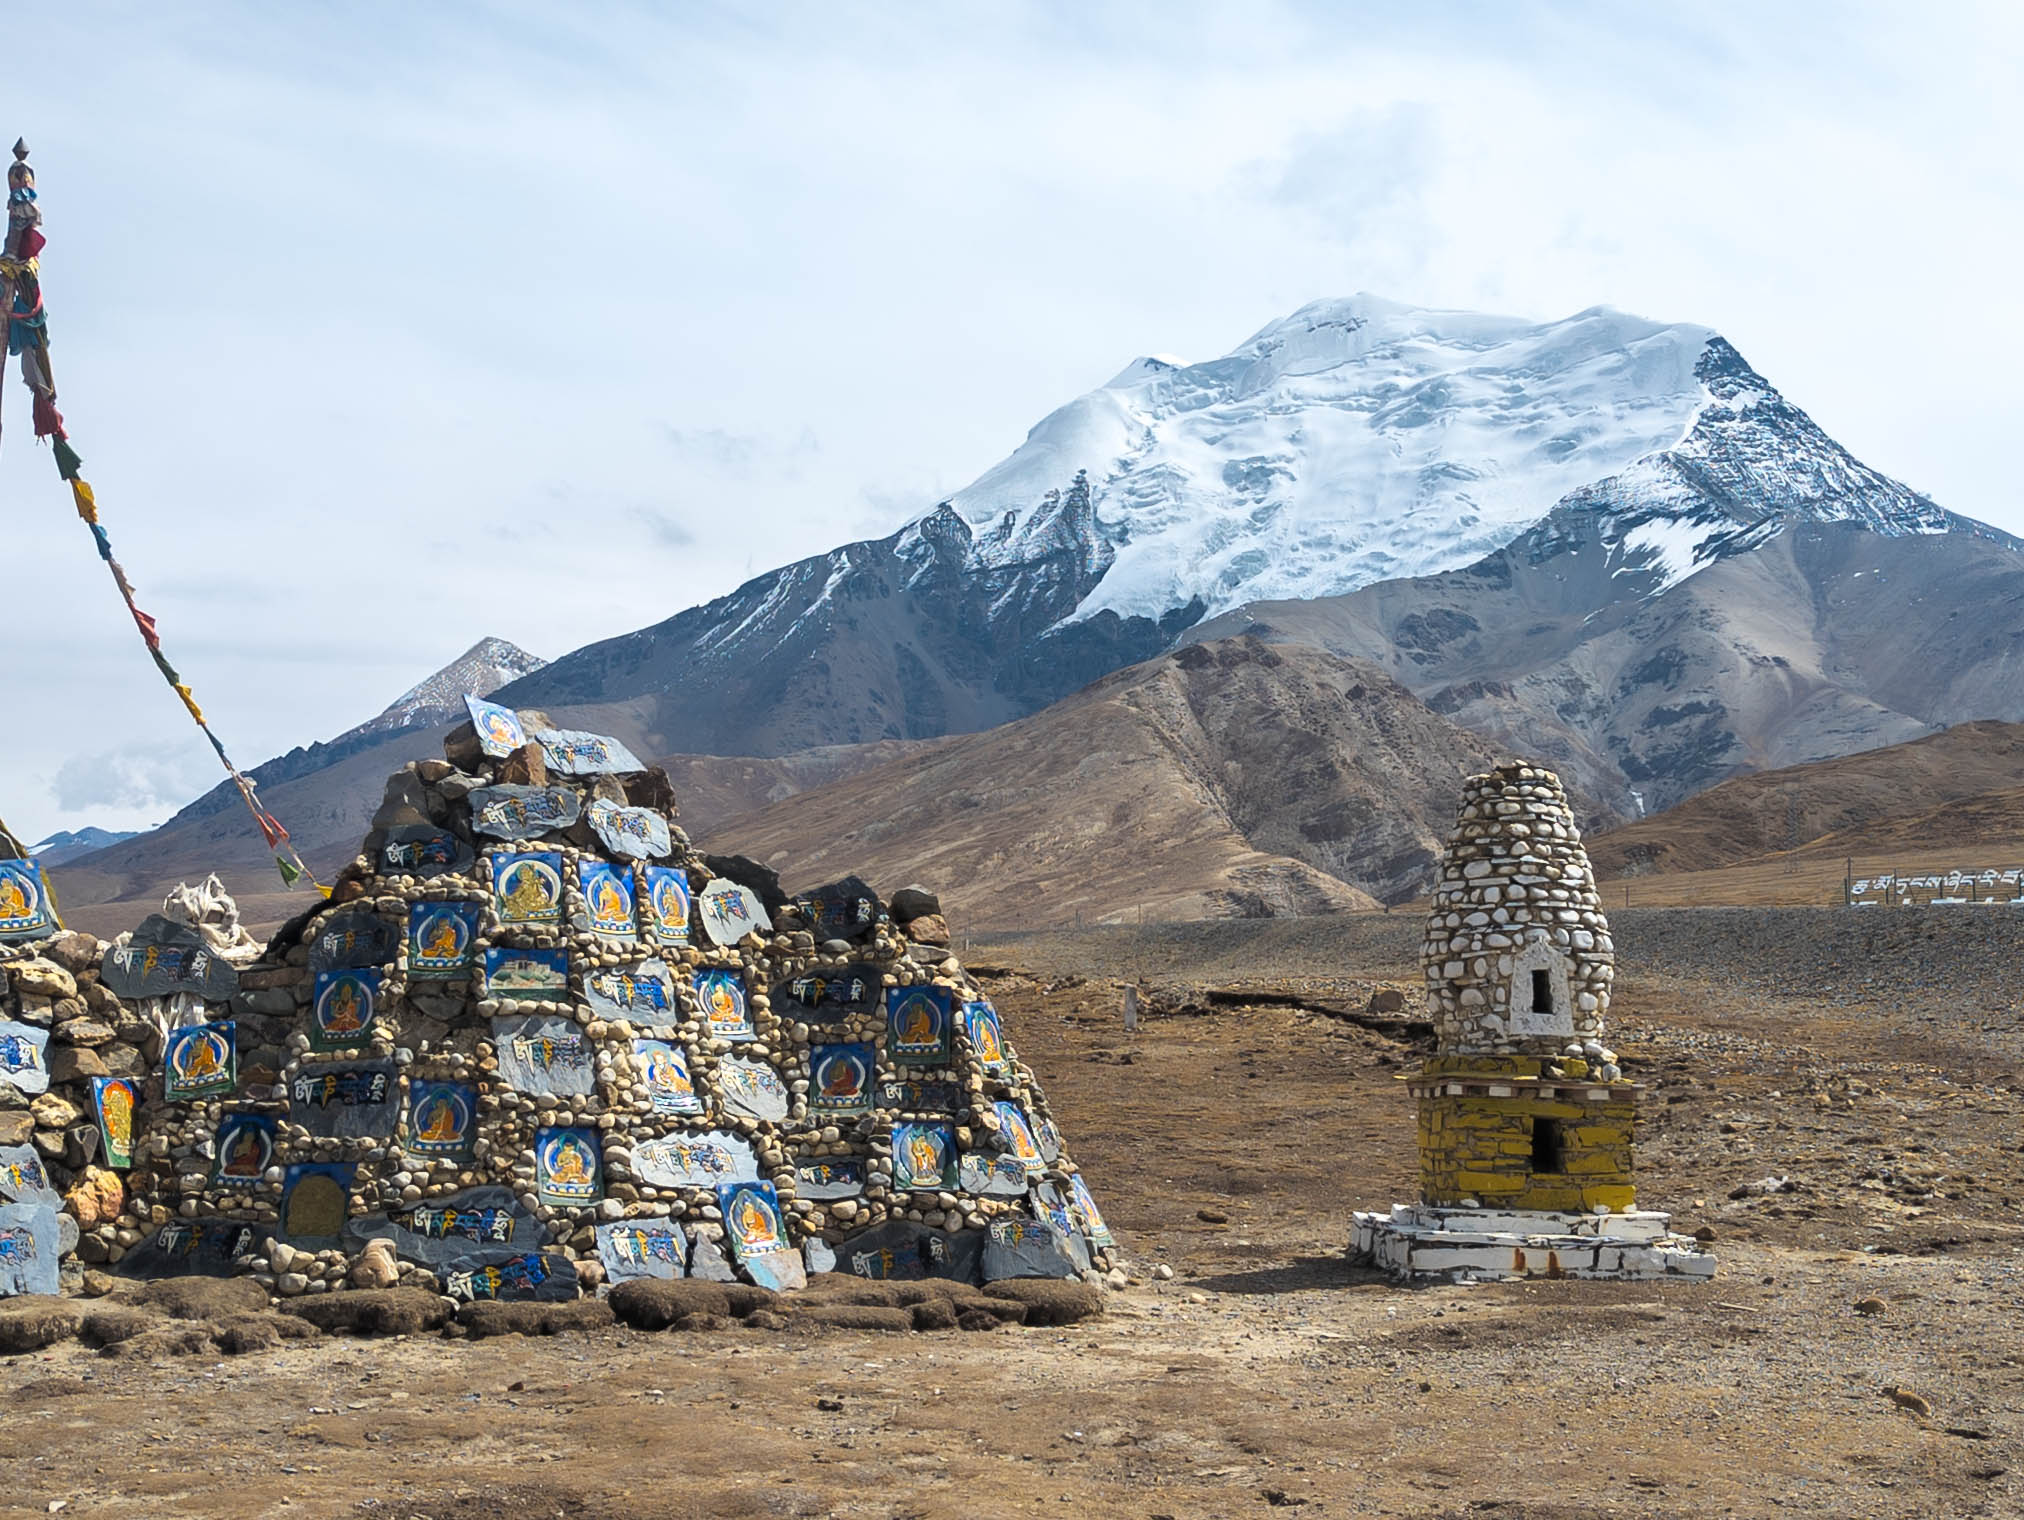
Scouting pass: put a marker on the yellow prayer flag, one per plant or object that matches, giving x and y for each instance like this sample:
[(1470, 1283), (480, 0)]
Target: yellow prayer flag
[(87, 504)]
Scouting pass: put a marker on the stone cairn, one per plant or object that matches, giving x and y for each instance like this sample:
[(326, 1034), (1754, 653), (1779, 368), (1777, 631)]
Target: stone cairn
[(533, 1043), (1526, 1121)]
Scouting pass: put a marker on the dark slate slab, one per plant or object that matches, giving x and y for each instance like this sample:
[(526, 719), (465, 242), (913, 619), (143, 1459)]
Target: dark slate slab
[(544, 1053), (900, 1095), (645, 1247), (534, 1277), (472, 1228), (316, 1201), (523, 812), (846, 909), (422, 849), (830, 997), (1031, 1248), (900, 1250), (31, 1244), (353, 940), (348, 1099), (166, 957), (193, 1248)]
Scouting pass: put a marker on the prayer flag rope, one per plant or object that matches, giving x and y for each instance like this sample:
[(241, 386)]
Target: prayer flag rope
[(27, 330)]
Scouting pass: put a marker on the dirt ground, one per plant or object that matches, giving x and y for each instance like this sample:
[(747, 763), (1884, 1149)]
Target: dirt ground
[(1873, 1149)]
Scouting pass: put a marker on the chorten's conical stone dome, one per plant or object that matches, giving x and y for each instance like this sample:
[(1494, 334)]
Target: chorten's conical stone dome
[(1517, 953)]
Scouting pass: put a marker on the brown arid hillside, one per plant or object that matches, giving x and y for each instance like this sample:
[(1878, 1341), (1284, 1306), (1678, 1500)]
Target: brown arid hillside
[(1957, 790), (1232, 779)]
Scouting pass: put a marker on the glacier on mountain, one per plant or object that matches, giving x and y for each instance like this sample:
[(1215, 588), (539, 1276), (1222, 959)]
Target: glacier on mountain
[(1362, 440)]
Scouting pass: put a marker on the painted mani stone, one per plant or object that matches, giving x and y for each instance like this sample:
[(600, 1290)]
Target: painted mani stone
[(30, 1243), (664, 905), (534, 1276), (164, 957), (835, 1177), (245, 1147), (642, 994), (910, 1097), (527, 887), (987, 1039), (846, 909), (831, 997), (523, 812), (421, 849), (572, 752), (442, 940), (757, 1233), (352, 940), (527, 976), (992, 1176), (924, 1157), (24, 1062), (1016, 1135), (917, 1025), (344, 1009), (840, 1078), (498, 728), (730, 911), (24, 903), (442, 1118), (1032, 1248), (722, 994), (24, 1178), (114, 1101), (568, 1166), (635, 833), (646, 1247), (350, 1100), (544, 1053), (194, 1248), (695, 1160), (200, 1061), (751, 1088), (315, 1198), (1082, 1207), (665, 1069), (608, 899)]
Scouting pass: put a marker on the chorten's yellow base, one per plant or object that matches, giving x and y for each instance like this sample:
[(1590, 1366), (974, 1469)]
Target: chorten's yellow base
[(1518, 1132)]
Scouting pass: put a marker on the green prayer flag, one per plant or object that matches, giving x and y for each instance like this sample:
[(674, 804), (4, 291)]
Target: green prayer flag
[(67, 461), (290, 873)]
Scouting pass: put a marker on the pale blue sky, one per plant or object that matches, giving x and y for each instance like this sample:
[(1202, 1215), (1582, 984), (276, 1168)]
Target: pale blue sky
[(385, 327)]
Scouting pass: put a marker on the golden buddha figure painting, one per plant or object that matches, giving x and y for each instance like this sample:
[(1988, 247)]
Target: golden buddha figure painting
[(199, 1061), (24, 901), (667, 904), (566, 1166), (924, 1157), (345, 1008), (440, 1118), (839, 1078), (987, 1039), (917, 1025), (245, 1147), (752, 1220), (442, 939), (722, 994), (608, 896), (527, 887)]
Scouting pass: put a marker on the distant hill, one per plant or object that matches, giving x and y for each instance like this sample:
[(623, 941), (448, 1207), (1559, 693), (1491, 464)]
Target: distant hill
[(1962, 788), (70, 844), (1231, 779)]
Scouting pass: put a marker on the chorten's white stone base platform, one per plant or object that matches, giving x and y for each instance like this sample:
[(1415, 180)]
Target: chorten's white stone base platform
[(1481, 1245)]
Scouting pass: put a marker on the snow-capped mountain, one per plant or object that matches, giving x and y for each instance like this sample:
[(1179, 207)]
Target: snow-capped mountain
[(69, 844), (1355, 443), (483, 668)]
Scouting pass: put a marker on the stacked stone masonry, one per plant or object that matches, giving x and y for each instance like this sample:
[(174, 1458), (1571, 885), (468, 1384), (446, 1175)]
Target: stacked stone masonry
[(488, 1065)]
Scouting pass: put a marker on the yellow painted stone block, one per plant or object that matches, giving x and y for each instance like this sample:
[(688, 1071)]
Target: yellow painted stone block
[(1618, 1195)]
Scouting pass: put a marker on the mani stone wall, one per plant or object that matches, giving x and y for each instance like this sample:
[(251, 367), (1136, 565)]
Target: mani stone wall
[(535, 1042), (1516, 896)]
